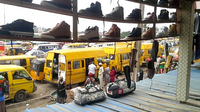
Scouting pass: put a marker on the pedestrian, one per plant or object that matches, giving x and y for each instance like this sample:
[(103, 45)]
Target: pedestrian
[(90, 81), (2, 100), (140, 75), (92, 68), (55, 48), (148, 59), (101, 71), (61, 93), (157, 65), (112, 75), (107, 74)]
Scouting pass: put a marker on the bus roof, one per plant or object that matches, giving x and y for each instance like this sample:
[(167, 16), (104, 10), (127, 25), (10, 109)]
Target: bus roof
[(81, 53), (46, 44), (10, 67), (119, 49), (16, 57), (77, 44)]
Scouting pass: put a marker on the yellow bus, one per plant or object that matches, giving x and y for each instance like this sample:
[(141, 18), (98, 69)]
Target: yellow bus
[(72, 64), (21, 60), (124, 49), (19, 82), (74, 45)]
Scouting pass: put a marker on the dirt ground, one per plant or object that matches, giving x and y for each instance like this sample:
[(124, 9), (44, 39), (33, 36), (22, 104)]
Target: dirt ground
[(40, 98)]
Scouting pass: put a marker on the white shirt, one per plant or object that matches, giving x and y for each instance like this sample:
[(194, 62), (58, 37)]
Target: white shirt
[(55, 49), (91, 68)]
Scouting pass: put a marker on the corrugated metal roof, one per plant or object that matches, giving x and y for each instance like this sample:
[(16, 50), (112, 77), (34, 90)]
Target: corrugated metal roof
[(160, 97)]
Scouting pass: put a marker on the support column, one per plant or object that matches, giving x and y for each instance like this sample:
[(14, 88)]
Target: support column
[(75, 21), (138, 47), (185, 51)]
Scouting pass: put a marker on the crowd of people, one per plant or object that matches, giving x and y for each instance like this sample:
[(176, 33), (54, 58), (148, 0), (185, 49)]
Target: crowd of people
[(2, 91), (104, 77)]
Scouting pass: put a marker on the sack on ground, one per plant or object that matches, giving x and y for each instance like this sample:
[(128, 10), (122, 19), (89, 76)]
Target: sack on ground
[(119, 87), (87, 96), (71, 92)]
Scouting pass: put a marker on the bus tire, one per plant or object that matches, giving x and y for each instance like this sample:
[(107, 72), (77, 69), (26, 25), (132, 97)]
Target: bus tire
[(20, 96)]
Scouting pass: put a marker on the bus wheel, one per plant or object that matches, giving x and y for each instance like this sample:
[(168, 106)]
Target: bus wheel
[(20, 96)]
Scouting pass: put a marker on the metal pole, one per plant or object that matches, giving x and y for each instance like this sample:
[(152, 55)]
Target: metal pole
[(11, 43)]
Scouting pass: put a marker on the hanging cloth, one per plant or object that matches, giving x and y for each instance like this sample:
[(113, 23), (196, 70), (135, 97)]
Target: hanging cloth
[(154, 51), (196, 23), (166, 50), (197, 46)]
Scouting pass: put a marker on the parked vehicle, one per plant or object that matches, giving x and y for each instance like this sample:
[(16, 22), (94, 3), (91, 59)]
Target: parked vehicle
[(103, 44), (21, 60), (124, 50), (46, 47), (119, 56), (72, 64), (19, 82), (146, 52), (74, 45), (37, 53), (37, 69), (14, 51)]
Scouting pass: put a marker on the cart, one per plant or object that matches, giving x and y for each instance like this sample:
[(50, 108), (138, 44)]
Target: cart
[(54, 95)]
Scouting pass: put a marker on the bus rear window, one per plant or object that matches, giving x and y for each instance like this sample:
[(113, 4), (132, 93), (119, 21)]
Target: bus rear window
[(49, 63), (111, 57), (5, 62)]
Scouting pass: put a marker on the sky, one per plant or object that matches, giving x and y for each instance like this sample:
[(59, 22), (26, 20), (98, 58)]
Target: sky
[(49, 20)]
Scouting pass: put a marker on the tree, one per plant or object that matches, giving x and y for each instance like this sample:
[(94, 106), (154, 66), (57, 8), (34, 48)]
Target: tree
[(46, 30), (124, 34)]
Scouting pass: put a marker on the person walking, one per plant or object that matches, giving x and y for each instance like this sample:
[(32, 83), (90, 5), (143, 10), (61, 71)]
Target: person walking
[(112, 75), (101, 71), (2, 100), (55, 48), (107, 74), (61, 93), (92, 68)]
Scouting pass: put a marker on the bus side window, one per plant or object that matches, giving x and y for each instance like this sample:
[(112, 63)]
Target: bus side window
[(82, 63), (76, 64), (69, 65), (149, 51)]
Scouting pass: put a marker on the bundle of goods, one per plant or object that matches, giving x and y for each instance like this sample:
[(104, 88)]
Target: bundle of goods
[(99, 59), (71, 92), (106, 60), (87, 96), (1, 79), (119, 87)]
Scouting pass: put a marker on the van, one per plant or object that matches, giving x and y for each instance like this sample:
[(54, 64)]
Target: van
[(119, 56), (103, 44), (14, 51), (46, 47), (72, 64), (123, 49), (74, 45), (21, 60), (146, 52), (37, 69), (3, 48), (18, 82)]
